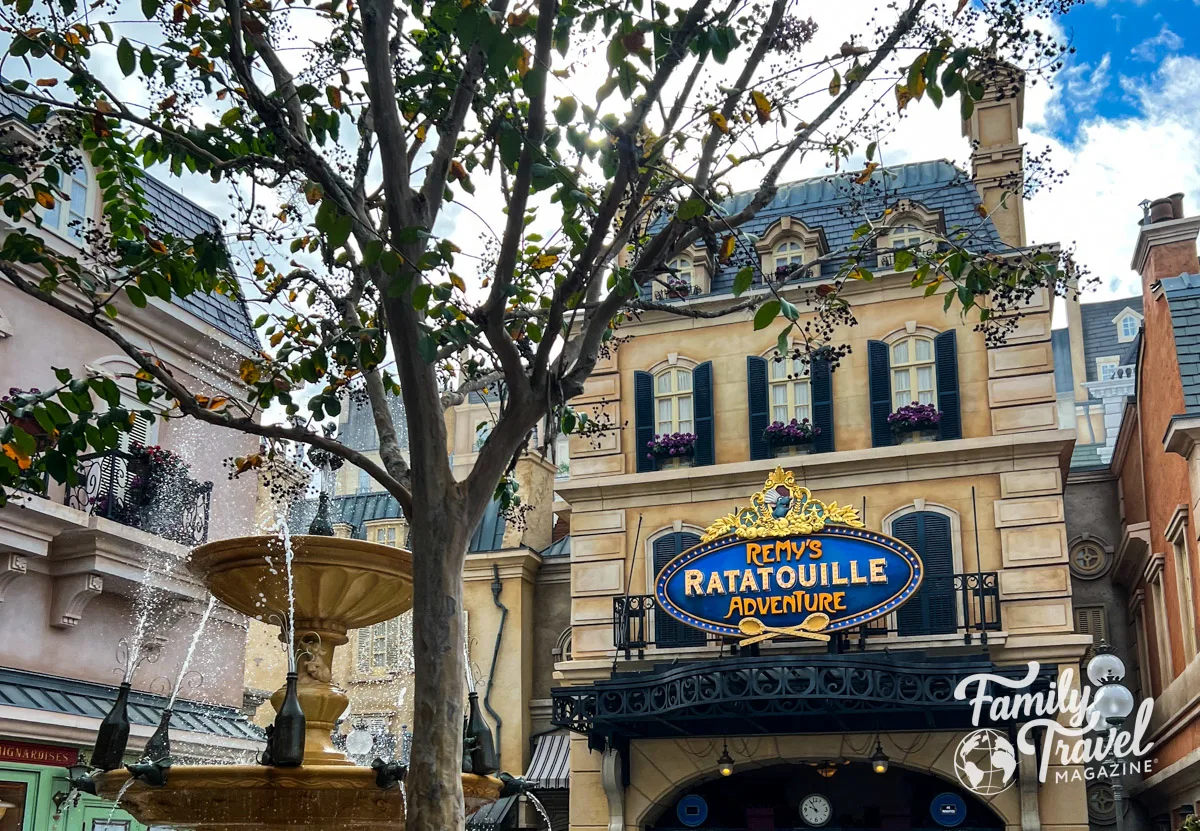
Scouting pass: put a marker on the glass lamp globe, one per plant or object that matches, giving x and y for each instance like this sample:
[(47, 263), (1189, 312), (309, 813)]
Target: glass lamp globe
[(725, 763), (1105, 668), (1114, 702)]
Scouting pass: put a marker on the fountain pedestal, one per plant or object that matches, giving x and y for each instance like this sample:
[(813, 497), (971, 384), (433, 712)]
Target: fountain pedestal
[(339, 585)]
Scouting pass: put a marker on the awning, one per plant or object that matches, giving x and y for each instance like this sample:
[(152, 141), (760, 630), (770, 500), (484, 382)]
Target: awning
[(551, 763), (489, 817)]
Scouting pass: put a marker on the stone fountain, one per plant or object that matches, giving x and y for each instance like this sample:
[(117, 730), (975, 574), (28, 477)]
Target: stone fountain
[(339, 585)]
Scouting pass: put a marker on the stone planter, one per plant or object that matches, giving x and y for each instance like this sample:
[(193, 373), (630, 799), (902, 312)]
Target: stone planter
[(917, 436), (781, 450)]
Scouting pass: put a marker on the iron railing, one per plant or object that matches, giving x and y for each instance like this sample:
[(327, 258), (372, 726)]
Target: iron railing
[(113, 485), (967, 605)]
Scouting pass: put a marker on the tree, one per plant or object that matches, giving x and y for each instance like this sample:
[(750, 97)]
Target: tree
[(347, 151)]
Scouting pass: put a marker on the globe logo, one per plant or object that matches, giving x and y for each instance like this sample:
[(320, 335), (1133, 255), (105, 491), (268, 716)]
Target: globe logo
[(985, 762)]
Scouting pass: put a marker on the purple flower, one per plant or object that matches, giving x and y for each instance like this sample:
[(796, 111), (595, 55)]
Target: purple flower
[(913, 417), (672, 444), (790, 434)]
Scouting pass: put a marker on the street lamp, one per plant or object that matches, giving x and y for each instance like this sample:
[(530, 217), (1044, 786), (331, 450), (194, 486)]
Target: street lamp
[(1113, 702), (879, 760), (725, 762)]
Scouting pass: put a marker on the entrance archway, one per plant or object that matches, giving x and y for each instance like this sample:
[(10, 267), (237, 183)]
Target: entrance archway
[(770, 799)]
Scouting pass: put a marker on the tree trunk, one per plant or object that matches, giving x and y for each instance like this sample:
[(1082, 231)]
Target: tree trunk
[(440, 535)]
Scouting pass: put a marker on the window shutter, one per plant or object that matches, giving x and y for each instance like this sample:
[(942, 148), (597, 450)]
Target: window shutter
[(880, 385), (945, 353), (702, 392), (932, 610), (669, 632), (643, 411), (821, 384), (362, 652), (759, 405), (1090, 620)]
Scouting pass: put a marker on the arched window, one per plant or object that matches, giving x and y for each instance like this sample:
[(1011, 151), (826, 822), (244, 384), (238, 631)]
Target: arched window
[(789, 253), (791, 394), (673, 401), (68, 216), (683, 270), (906, 236), (913, 372)]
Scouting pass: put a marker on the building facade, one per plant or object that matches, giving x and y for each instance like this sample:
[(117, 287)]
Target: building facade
[(80, 566), (673, 727)]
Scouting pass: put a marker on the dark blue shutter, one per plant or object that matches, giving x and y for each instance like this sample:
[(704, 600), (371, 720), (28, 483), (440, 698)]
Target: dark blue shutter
[(879, 381), (702, 403), (931, 611), (821, 387), (945, 354), (669, 632), (759, 405), (643, 416)]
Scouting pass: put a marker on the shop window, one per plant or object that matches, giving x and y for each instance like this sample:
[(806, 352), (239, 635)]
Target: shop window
[(669, 632), (914, 365), (674, 397), (932, 610)]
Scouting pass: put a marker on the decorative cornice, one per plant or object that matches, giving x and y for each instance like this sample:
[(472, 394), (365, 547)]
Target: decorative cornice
[(70, 595), (1177, 523), (513, 562), (1163, 233), (1183, 432)]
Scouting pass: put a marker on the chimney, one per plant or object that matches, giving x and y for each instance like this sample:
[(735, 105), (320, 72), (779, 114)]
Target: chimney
[(535, 479), (1166, 244), (997, 155)]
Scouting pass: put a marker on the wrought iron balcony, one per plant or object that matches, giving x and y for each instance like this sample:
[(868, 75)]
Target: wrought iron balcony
[(117, 486), (967, 605)]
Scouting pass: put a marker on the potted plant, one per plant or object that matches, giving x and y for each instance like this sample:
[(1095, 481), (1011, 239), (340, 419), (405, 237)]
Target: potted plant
[(678, 288), (14, 412), (915, 422), (672, 449), (791, 439)]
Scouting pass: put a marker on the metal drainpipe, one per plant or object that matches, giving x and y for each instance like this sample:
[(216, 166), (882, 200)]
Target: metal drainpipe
[(487, 698)]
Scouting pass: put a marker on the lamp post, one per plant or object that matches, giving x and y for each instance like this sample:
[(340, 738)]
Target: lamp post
[(1114, 703)]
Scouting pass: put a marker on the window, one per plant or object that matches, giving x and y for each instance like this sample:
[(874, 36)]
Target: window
[(933, 535), (1128, 328), (67, 216), (906, 237), (673, 401), (683, 270), (1089, 559), (669, 632), (791, 395), (364, 481), (1161, 632), (385, 535), (1106, 368), (482, 431), (913, 374), (1187, 602), (789, 253), (378, 648)]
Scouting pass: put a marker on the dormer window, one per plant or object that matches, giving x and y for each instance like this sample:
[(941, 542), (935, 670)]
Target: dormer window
[(788, 244), (906, 237), (788, 254), (908, 227), (1128, 322), (68, 216), (682, 271)]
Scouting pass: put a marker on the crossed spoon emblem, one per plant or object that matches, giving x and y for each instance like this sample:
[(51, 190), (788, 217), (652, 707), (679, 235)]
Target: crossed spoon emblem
[(755, 630)]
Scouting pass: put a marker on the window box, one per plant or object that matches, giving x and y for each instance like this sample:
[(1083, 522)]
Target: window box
[(792, 439), (915, 423), (672, 450)]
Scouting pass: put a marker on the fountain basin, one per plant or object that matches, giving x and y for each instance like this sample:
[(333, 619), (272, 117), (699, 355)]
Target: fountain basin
[(245, 797)]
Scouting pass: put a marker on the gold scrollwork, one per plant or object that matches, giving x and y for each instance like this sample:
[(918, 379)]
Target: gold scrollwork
[(781, 509)]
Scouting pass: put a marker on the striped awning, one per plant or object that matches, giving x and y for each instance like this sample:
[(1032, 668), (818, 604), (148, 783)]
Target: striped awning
[(551, 763)]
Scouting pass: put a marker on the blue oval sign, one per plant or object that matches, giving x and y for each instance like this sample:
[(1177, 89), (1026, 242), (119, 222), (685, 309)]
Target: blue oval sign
[(836, 578)]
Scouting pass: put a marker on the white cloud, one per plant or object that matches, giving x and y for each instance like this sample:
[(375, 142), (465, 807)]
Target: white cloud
[(1080, 88), (1148, 49)]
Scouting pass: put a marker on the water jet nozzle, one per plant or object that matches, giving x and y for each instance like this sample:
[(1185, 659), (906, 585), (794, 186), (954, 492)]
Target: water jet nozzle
[(152, 773), (513, 785), (388, 774)]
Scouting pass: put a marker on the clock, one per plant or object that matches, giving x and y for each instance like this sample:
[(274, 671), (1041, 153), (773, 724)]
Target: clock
[(815, 810)]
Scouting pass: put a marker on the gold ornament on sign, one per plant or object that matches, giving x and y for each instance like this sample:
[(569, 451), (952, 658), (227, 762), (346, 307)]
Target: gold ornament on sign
[(781, 509)]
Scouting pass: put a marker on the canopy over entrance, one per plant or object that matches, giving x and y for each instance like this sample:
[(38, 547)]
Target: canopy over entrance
[(778, 695)]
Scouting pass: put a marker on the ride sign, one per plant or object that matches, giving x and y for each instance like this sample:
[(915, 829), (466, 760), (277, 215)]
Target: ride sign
[(788, 565)]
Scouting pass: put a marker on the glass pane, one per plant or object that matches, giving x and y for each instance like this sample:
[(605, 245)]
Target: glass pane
[(53, 217), (925, 378), (900, 381), (799, 369), (683, 379), (779, 412), (924, 350), (685, 409), (900, 352), (779, 394), (801, 392), (664, 382), (75, 226), (79, 195), (778, 370), (685, 426), (664, 415), (925, 397)]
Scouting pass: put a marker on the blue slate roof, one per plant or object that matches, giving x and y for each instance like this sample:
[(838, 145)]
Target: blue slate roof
[(181, 218), (836, 205), (1100, 335), (52, 694), (1183, 295), (358, 432)]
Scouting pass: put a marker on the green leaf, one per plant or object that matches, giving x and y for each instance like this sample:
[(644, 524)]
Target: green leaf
[(420, 295), (789, 310), (150, 8), (136, 296), (146, 61), (871, 150), (230, 117), (967, 107), (566, 109), (766, 313), (110, 392), (835, 84), (902, 260), (126, 59), (743, 280), (692, 208), (372, 252), (781, 343)]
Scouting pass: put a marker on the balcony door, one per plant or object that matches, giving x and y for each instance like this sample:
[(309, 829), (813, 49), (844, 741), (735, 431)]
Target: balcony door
[(932, 611), (669, 632)]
